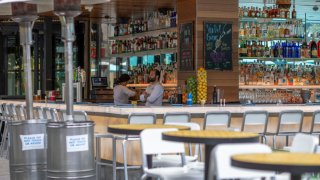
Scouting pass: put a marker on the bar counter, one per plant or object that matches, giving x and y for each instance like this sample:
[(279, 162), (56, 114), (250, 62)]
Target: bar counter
[(107, 114), (195, 110)]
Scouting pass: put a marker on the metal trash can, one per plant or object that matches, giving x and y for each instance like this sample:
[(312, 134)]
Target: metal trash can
[(27, 148), (71, 150)]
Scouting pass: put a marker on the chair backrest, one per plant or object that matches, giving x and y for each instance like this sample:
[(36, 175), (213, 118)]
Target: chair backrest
[(142, 118), (152, 143), (220, 161), (47, 113), (51, 114), (77, 115), (176, 117), (40, 114), (255, 118), (315, 120), (193, 127), (12, 111), (290, 117), (21, 112), (217, 118), (54, 114), (304, 143)]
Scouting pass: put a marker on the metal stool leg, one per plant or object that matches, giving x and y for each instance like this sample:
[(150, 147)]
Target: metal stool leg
[(114, 159), (125, 166), (4, 139), (98, 158), (274, 141)]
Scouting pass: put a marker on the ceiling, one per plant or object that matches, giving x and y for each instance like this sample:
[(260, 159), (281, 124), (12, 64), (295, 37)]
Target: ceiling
[(115, 9), (302, 7)]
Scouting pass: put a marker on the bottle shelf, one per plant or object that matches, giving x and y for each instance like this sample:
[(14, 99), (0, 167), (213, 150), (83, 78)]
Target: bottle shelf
[(146, 85), (149, 52), (278, 87), (279, 58), (267, 20), (271, 39), (147, 33)]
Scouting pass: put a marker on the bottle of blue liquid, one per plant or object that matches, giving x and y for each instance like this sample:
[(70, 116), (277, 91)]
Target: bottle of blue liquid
[(189, 99)]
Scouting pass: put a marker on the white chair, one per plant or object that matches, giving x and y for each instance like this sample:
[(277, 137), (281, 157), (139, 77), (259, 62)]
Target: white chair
[(175, 160), (152, 144), (217, 119), (176, 117), (133, 118), (288, 118), (256, 119), (77, 115), (303, 143), (220, 161)]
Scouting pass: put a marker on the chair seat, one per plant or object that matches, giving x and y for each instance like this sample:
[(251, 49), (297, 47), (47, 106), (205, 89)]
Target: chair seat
[(287, 148), (281, 134), (175, 173), (171, 160)]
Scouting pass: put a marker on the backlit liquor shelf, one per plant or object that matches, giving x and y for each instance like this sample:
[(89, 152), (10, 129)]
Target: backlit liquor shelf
[(146, 85), (143, 53), (278, 87), (279, 58), (147, 33)]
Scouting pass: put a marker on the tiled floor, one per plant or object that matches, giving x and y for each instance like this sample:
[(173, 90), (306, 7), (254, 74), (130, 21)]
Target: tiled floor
[(4, 169), (106, 172)]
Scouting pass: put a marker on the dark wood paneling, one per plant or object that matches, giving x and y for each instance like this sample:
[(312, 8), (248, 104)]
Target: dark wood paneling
[(215, 11)]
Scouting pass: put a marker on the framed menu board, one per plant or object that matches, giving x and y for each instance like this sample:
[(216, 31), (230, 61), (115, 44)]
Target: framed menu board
[(186, 59), (218, 45)]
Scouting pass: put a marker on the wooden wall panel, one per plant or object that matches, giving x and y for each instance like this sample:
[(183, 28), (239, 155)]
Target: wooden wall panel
[(215, 11), (219, 11)]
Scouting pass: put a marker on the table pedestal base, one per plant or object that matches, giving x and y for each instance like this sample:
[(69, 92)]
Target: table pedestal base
[(208, 149), (296, 177)]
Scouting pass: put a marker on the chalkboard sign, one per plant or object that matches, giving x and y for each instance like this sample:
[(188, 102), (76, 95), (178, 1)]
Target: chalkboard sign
[(218, 45), (186, 47)]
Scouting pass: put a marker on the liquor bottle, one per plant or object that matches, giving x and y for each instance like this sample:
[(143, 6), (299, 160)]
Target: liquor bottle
[(179, 95), (249, 49), (313, 48), (242, 31), (266, 50), (214, 95), (264, 30), (253, 30), (294, 13), (318, 46), (258, 31)]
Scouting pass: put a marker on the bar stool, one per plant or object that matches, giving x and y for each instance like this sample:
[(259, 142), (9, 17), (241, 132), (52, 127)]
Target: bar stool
[(256, 118), (77, 115), (51, 114), (21, 112), (176, 117), (220, 119), (171, 160), (8, 115), (288, 117), (39, 112), (133, 118), (315, 122)]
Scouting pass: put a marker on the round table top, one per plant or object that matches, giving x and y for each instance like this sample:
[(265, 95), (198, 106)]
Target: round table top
[(296, 163), (135, 129), (212, 137)]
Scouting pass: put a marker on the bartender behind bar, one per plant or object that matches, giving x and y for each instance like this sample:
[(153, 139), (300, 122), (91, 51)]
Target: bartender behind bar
[(154, 93), (121, 93)]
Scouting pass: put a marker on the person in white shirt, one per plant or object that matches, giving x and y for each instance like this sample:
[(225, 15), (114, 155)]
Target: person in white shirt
[(121, 93), (154, 93)]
